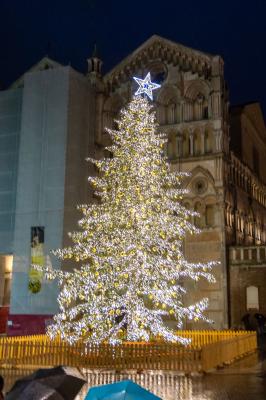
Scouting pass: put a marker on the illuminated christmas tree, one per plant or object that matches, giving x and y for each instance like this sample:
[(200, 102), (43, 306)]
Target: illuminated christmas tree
[(130, 244)]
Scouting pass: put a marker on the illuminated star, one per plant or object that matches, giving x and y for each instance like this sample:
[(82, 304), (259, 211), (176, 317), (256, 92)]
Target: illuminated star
[(146, 86)]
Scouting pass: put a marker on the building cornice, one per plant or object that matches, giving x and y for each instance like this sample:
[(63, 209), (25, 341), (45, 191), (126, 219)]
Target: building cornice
[(158, 48)]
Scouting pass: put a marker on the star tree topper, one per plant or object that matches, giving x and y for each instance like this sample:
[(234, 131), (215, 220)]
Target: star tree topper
[(146, 86)]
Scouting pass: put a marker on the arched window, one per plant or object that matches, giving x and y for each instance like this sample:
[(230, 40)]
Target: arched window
[(237, 221), (198, 94), (207, 142), (198, 107), (258, 231), (188, 111), (229, 216), (252, 297), (251, 223), (171, 146), (205, 111), (197, 143), (210, 215), (179, 145), (167, 100), (186, 145), (199, 220), (171, 113)]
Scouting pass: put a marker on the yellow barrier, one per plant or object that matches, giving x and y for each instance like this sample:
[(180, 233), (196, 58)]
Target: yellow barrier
[(207, 350)]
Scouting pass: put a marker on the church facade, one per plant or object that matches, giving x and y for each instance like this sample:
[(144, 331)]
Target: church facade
[(60, 119)]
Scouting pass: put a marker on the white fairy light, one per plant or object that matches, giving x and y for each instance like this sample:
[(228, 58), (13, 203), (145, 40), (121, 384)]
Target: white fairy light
[(129, 245), (146, 86)]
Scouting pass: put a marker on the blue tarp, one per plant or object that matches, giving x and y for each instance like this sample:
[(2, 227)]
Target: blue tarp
[(123, 390)]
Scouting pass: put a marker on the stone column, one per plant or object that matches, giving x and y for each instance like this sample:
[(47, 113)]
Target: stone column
[(182, 111), (179, 141), (186, 105), (202, 137), (218, 135), (191, 142), (216, 105)]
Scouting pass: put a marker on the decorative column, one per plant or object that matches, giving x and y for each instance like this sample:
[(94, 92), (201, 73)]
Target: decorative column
[(216, 104), (182, 111), (218, 135), (202, 141), (191, 142), (179, 141)]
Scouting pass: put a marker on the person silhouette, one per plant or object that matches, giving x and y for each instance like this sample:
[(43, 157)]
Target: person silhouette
[(2, 382)]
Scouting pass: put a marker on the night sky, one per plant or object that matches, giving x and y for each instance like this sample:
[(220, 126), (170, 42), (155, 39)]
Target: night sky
[(67, 30)]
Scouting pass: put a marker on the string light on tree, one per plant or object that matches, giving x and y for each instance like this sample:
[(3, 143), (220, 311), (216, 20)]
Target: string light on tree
[(130, 243)]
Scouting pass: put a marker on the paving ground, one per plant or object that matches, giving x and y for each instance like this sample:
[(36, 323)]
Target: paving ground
[(244, 380)]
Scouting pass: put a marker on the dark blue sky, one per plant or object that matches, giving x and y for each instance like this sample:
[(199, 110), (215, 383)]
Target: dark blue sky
[(68, 29)]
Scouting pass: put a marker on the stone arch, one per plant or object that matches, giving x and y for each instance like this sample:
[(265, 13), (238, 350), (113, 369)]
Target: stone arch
[(199, 171), (197, 97), (202, 185), (158, 71), (197, 88), (188, 204), (169, 105)]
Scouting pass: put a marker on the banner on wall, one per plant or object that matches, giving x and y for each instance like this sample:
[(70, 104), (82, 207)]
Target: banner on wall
[(37, 258)]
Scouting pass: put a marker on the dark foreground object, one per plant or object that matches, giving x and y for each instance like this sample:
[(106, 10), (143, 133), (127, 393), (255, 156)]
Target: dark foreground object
[(59, 383), (123, 390)]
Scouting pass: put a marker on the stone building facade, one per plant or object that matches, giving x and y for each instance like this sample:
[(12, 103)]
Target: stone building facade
[(245, 213), (247, 284), (192, 110), (223, 150)]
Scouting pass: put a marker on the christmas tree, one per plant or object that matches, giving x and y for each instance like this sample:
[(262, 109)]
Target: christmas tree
[(129, 244)]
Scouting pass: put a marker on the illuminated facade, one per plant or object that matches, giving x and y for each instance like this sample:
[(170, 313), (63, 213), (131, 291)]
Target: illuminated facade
[(54, 117)]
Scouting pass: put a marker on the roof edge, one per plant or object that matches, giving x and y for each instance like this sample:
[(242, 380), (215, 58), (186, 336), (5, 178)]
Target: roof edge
[(206, 56), (40, 65)]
